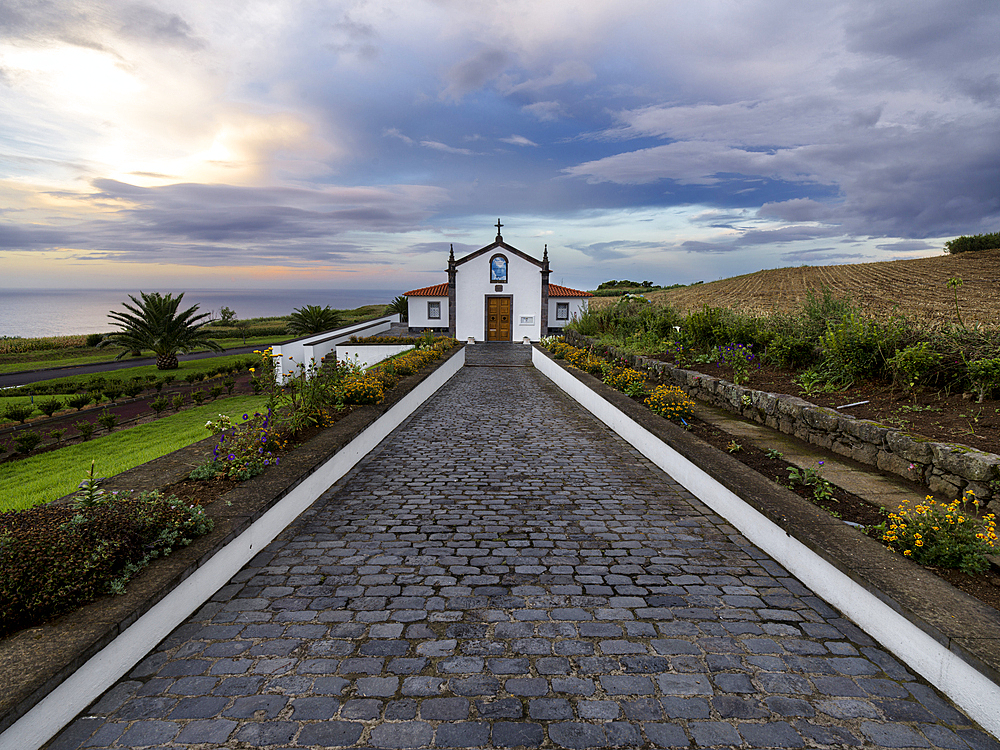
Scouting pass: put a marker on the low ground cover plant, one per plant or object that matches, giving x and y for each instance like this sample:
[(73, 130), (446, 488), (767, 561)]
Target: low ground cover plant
[(56, 557), (946, 535)]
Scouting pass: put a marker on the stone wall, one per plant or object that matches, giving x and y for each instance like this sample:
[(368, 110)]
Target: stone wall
[(946, 469)]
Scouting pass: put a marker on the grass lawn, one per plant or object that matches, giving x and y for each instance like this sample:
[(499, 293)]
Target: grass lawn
[(45, 359), (52, 475)]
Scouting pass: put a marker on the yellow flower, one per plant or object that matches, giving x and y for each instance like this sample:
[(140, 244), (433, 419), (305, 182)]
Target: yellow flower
[(907, 552)]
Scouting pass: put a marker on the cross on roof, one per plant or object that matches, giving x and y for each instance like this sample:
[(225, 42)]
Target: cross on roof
[(498, 228)]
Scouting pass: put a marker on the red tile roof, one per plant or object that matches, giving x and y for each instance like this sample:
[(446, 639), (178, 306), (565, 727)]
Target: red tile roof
[(438, 290), (564, 291)]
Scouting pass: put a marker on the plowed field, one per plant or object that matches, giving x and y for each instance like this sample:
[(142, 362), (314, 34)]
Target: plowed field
[(914, 288)]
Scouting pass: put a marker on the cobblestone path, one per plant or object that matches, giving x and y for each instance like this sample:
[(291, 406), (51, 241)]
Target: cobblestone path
[(505, 572)]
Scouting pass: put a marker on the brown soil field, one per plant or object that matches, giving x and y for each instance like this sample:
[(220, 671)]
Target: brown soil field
[(915, 288)]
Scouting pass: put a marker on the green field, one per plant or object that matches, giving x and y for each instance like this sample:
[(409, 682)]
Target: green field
[(46, 477)]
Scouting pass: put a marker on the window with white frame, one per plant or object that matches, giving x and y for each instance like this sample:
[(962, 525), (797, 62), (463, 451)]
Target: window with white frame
[(434, 311), (562, 310)]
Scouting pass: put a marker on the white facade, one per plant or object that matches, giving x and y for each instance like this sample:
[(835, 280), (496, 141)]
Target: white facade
[(496, 293), (523, 287), (575, 307), (420, 310)]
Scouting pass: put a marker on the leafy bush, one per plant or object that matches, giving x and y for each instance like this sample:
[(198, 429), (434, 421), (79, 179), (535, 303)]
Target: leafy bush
[(741, 358), (366, 389), (113, 389), (85, 428), (93, 339), (856, 348), (26, 441), (985, 376), (671, 402), (19, 412), (948, 536), (107, 420), (708, 327), (56, 557), (971, 243), (50, 406), (245, 449), (626, 380), (913, 364)]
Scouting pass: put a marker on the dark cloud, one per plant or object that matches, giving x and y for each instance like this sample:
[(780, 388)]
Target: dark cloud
[(148, 24), (473, 72), (14, 237), (615, 250)]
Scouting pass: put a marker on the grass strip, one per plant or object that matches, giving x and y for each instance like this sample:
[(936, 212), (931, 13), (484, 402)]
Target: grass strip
[(72, 358), (41, 479)]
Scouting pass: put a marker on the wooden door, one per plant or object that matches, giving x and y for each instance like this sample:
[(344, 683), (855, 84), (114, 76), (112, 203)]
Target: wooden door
[(498, 318)]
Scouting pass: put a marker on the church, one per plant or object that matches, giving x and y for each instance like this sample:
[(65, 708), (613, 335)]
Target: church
[(497, 293)]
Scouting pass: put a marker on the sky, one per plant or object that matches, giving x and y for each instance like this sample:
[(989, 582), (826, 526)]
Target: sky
[(237, 144)]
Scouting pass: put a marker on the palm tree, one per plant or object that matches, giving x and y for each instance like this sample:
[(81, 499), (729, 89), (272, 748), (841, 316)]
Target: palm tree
[(312, 319), (154, 323), (398, 305)]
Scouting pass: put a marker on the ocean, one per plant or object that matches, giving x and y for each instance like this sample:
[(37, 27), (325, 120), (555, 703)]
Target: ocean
[(32, 313)]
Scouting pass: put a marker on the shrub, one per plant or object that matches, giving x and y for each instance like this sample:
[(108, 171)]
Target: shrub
[(708, 327), (671, 402), (198, 396), (107, 420), (19, 412), (113, 389), (133, 388), (230, 384), (85, 428), (159, 405), (244, 450), (93, 339), (50, 406), (913, 364), (971, 243), (985, 376), (79, 400), (216, 391), (27, 441), (855, 348), (625, 380), (178, 402), (740, 357), (948, 536), (366, 389), (57, 434), (58, 556)]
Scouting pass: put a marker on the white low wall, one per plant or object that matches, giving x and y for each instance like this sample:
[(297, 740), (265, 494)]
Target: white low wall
[(366, 355), (313, 348), (110, 664), (975, 693)]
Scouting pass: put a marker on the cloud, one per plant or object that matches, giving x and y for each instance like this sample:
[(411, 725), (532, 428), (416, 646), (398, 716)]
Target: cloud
[(545, 111), (471, 73), (518, 140), (616, 249)]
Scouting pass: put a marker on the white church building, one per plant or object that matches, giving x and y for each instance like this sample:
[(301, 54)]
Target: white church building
[(497, 293)]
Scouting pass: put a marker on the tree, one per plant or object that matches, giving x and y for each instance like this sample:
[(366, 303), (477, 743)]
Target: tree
[(154, 323), (400, 306), (227, 316), (313, 319)]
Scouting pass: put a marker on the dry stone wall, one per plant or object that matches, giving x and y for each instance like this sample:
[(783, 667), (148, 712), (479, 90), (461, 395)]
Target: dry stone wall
[(947, 469)]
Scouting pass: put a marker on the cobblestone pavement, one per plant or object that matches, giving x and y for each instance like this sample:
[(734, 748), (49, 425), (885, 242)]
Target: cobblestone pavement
[(505, 572)]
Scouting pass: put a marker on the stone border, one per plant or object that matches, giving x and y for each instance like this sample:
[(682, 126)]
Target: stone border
[(948, 637), (947, 469), (52, 672)]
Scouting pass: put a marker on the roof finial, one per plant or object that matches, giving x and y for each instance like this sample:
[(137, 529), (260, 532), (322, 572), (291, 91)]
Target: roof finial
[(499, 238), (545, 255), (451, 255)]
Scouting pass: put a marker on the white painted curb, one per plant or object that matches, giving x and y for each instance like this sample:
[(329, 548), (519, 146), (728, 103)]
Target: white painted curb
[(106, 667), (972, 691)]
